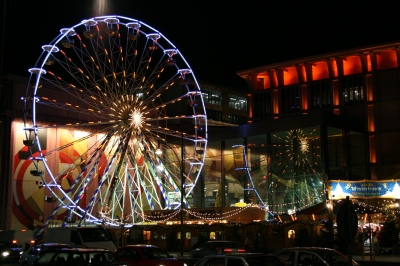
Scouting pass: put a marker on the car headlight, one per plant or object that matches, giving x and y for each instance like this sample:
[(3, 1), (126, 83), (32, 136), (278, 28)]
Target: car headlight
[(5, 253)]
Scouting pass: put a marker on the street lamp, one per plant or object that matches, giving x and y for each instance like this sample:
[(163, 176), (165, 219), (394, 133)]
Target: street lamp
[(182, 191)]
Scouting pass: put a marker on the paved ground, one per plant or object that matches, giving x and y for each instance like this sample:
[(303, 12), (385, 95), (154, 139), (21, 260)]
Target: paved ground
[(366, 260), (379, 260)]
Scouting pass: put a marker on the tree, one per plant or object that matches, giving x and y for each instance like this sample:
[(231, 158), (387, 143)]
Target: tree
[(347, 226), (201, 239), (326, 236), (173, 243), (234, 234), (390, 234)]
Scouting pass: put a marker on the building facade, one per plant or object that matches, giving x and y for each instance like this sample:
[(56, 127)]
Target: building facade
[(311, 120), (360, 84)]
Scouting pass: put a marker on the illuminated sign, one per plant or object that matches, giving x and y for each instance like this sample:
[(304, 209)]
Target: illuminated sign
[(338, 189)]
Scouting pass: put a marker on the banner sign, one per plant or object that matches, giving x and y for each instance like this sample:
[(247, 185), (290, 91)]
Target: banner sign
[(338, 189)]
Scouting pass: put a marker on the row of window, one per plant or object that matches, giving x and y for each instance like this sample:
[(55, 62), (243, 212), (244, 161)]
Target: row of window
[(214, 97), (233, 118), (320, 97), (212, 235), (237, 102), (188, 235), (211, 96)]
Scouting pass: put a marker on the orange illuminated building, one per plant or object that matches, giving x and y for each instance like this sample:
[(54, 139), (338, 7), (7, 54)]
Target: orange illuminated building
[(360, 84)]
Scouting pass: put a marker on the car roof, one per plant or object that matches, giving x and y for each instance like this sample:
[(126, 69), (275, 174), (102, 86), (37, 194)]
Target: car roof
[(85, 250), (53, 245), (242, 255), (223, 241), (140, 246), (310, 249)]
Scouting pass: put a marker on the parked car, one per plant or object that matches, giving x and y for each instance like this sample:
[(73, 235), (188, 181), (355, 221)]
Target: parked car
[(217, 247), (307, 256), (146, 255), (32, 254), (79, 257), (9, 252), (246, 259)]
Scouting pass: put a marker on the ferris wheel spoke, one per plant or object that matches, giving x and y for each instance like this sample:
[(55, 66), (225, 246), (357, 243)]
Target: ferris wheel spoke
[(79, 99), (90, 171), (106, 172), (119, 83)]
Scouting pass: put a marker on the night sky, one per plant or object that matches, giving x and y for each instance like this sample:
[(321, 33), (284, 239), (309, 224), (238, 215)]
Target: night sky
[(216, 39)]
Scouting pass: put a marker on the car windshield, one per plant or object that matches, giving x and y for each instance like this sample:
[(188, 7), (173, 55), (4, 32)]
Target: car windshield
[(154, 253), (262, 260), (333, 258), (78, 258)]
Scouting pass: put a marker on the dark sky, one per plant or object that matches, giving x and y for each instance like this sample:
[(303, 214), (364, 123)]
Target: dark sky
[(217, 37)]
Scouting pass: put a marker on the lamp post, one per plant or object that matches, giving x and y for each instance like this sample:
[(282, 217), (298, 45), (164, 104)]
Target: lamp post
[(330, 209), (182, 191)]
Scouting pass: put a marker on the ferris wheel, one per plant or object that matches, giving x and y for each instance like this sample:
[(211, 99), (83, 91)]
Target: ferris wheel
[(115, 123)]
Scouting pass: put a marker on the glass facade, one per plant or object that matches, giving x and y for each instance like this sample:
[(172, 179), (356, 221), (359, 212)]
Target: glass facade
[(237, 102), (353, 90), (237, 119), (211, 96), (283, 171), (290, 99), (320, 94)]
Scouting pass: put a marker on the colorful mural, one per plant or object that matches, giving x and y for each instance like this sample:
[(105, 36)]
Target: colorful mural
[(31, 202)]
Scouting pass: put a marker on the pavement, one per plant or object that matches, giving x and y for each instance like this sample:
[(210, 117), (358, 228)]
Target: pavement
[(377, 258), (366, 260)]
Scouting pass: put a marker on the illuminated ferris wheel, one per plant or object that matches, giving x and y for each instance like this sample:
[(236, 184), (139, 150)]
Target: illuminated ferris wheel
[(115, 123)]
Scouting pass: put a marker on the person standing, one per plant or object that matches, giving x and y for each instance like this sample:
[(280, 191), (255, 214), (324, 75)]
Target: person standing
[(259, 242)]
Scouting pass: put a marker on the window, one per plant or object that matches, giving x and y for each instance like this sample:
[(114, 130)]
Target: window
[(287, 257), (188, 235), (178, 235), (214, 115), (211, 96), (215, 262), (291, 234), (290, 100), (237, 119), (306, 258), (131, 254), (146, 235), (353, 90), (212, 235), (155, 235), (235, 262), (237, 102), (262, 104), (320, 93), (163, 236)]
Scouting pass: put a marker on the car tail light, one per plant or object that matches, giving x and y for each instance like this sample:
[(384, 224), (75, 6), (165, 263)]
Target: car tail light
[(241, 251), (227, 250)]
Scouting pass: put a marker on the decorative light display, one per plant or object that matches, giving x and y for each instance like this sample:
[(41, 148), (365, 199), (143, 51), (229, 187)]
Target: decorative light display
[(123, 80), (136, 118)]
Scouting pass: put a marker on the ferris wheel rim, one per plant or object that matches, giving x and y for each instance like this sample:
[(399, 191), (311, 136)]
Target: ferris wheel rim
[(36, 77)]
